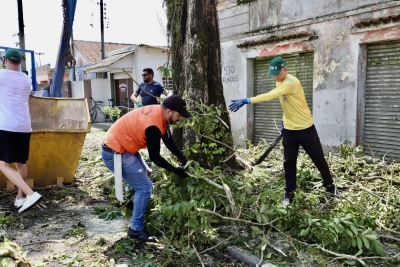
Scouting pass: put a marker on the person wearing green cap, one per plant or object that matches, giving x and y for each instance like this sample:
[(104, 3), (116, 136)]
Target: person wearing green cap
[(15, 127), (297, 126)]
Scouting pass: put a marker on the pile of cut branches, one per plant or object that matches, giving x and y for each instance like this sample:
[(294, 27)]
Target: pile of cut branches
[(360, 227)]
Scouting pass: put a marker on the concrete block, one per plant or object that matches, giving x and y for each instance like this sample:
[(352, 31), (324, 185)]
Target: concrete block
[(60, 180)]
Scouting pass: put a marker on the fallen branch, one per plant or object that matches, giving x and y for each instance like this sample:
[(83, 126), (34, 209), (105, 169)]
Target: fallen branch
[(263, 247), (243, 162), (89, 178), (216, 141), (236, 219), (13, 251), (343, 256), (381, 258), (219, 243), (90, 163), (44, 241), (198, 256), (387, 229), (229, 196), (381, 198), (208, 181), (390, 237), (105, 179)]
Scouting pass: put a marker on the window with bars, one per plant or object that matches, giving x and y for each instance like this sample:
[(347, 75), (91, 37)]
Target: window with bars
[(167, 82)]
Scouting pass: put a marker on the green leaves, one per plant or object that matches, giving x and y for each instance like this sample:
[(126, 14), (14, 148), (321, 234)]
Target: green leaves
[(256, 230), (304, 232), (342, 232)]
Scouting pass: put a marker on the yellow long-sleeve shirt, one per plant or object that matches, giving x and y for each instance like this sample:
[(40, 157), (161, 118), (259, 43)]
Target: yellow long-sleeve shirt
[(296, 113)]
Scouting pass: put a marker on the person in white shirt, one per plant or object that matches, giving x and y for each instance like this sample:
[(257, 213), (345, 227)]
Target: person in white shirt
[(15, 127)]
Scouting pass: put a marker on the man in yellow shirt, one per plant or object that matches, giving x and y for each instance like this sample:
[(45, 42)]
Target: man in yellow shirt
[(298, 127)]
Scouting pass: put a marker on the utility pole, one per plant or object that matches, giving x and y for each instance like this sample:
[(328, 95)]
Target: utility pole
[(21, 32), (102, 30), (39, 54)]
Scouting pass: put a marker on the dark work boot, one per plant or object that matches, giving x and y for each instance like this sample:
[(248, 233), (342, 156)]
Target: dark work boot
[(287, 198), (141, 235), (333, 190)]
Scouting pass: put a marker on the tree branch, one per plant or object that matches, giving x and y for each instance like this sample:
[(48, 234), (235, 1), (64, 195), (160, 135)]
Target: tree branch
[(199, 134), (90, 163), (381, 198), (344, 256), (198, 256), (236, 219), (219, 243)]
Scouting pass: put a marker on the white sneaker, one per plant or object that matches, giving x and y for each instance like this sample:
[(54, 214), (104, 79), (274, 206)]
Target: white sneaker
[(30, 200), (19, 202)]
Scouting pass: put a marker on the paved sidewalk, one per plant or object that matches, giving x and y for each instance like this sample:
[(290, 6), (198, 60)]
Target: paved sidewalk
[(101, 126)]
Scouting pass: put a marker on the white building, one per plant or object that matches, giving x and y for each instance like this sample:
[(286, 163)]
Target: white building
[(117, 84)]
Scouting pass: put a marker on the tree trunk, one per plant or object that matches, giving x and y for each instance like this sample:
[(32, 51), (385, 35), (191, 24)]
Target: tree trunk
[(196, 59)]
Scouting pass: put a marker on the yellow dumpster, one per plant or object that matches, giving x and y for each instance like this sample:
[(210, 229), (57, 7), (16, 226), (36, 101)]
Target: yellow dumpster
[(59, 127)]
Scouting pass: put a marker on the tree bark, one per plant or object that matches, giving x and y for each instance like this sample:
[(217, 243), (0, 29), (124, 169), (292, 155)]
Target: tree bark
[(196, 59)]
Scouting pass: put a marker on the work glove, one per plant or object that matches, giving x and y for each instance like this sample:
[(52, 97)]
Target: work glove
[(238, 103), (180, 172), (183, 160), (139, 104)]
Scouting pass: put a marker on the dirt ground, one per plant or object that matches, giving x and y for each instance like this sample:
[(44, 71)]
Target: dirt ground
[(79, 225), (49, 231), (63, 229)]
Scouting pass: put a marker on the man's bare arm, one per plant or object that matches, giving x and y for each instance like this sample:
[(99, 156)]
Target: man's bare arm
[(133, 97)]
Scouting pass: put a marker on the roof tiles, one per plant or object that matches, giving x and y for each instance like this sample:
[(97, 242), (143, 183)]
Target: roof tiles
[(92, 50), (377, 21)]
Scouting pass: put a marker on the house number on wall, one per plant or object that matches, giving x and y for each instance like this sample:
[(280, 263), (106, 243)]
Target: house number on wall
[(228, 77)]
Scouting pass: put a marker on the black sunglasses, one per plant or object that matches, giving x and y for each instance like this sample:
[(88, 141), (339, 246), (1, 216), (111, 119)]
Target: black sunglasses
[(144, 75)]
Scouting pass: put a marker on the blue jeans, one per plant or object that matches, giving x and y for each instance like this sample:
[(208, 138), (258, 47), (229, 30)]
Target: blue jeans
[(134, 173)]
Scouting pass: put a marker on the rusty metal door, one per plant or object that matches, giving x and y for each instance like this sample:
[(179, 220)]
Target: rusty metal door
[(268, 116), (382, 100), (123, 92)]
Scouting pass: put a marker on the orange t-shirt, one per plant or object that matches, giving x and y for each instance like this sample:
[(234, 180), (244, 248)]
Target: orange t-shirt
[(128, 133)]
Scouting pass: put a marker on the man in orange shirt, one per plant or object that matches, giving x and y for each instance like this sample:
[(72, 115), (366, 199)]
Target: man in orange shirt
[(141, 128)]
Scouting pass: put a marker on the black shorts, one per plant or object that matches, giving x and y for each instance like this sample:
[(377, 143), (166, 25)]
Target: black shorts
[(14, 147)]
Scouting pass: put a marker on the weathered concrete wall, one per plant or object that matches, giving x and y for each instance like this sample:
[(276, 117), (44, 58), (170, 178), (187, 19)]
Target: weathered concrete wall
[(338, 44), (77, 90), (270, 15), (272, 12)]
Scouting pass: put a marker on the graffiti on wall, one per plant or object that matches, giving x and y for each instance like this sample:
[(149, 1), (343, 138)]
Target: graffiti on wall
[(229, 75)]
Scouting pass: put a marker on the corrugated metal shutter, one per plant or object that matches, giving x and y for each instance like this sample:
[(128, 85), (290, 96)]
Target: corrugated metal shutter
[(382, 100), (268, 116)]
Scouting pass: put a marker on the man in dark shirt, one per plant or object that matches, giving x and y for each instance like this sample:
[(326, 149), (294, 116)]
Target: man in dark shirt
[(148, 90)]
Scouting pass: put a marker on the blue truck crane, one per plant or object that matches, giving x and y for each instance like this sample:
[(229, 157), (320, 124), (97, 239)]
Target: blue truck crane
[(64, 59)]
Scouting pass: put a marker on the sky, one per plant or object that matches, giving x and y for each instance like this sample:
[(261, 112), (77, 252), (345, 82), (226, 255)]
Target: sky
[(129, 21)]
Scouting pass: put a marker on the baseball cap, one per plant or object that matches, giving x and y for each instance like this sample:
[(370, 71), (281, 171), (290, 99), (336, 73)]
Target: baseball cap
[(176, 103), (276, 65), (13, 54)]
